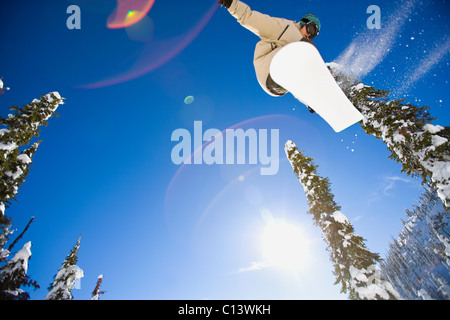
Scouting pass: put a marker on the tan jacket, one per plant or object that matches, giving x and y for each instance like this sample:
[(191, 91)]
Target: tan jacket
[(274, 33)]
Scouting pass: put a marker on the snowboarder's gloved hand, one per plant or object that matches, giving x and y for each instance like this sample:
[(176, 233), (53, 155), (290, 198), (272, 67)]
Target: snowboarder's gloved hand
[(225, 3)]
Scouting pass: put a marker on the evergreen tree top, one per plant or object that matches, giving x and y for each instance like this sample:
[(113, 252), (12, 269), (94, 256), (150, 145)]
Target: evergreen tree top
[(354, 265), (17, 132), (64, 280), (422, 148)]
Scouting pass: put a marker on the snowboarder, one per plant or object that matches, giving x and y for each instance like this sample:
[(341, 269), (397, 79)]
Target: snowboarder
[(274, 33)]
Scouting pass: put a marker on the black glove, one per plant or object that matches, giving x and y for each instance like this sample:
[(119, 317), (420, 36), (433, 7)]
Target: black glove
[(225, 3)]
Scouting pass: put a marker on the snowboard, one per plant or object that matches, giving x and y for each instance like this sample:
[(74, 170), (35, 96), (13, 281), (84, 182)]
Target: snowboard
[(299, 68)]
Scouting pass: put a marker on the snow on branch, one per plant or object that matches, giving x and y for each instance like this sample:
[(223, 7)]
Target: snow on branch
[(422, 148)]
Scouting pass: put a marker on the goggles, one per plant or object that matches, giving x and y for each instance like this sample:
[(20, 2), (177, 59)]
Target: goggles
[(311, 28)]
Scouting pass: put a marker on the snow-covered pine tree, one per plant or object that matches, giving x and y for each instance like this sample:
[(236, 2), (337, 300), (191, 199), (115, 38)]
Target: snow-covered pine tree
[(96, 293), (418, 261), (4, 237), (13, 276), (64, 280), (423, 149), (354, 265), (18, 131), (5, 233)]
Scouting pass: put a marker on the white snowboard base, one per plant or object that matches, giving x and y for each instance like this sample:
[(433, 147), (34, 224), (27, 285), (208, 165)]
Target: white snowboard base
[(299, 68)]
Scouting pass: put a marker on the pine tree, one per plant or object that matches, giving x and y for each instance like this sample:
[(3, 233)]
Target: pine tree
[(64, 280), (19, 129), (5, 234), (354, 265), (96, 293), (13, 276), (423, 149), (418, 261), (16, 134), (4, 237)]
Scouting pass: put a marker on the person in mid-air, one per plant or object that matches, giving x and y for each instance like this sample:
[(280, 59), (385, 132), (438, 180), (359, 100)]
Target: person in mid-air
[(274, 34)]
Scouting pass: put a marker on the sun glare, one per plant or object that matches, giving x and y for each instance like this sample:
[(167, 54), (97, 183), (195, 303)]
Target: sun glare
[(285, 245)]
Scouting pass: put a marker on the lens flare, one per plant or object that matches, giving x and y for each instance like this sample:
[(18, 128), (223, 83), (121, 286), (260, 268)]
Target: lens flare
[(160, 49), (128, 12), (189, 100)]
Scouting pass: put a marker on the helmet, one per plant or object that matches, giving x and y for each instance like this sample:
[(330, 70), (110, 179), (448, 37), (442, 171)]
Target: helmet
[(310, 17)]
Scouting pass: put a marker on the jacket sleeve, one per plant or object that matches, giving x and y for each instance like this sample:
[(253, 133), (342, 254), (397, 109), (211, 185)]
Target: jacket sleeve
[(263, 25)]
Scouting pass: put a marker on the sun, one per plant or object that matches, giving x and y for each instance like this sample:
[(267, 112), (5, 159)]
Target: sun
[(285, 245)]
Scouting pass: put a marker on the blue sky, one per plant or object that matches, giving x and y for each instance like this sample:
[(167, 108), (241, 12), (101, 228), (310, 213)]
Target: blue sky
[(157, 230)]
